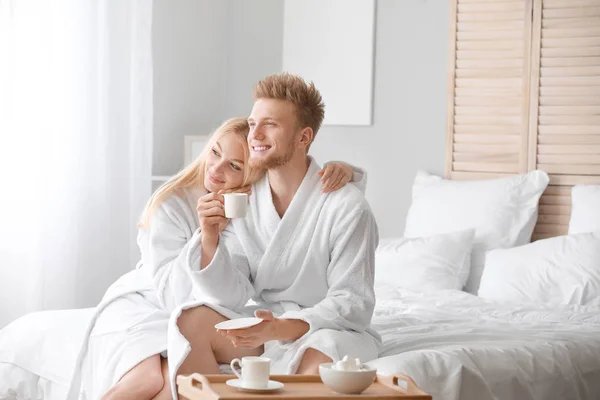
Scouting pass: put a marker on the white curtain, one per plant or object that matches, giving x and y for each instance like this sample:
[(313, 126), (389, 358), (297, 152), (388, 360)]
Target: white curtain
[(75, 148)]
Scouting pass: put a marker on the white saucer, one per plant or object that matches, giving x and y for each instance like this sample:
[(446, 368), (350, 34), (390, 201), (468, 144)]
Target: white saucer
[(237, 383), (238, 323)]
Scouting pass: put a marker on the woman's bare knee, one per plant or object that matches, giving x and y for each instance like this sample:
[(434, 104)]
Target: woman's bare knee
[(309, 365), (143, 381), (197, 326), (192, 320)]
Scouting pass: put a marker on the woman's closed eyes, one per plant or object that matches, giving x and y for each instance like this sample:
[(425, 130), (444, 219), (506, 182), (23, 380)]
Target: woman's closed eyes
[(233, 166)]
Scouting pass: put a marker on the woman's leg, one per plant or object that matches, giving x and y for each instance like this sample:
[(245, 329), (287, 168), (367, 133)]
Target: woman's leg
[(165, 392), (143, 381), (310, 362), (208, 348)]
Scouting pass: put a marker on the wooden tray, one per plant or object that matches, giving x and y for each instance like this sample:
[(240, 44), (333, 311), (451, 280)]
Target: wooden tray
[(297, 387)]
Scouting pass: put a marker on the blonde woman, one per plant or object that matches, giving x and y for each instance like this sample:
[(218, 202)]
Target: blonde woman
[(124, 353)]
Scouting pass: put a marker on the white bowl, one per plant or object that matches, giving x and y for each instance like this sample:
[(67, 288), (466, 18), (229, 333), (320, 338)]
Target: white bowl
[(346, 382)]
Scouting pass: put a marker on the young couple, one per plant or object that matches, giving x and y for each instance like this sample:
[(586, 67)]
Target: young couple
[(304, 254)]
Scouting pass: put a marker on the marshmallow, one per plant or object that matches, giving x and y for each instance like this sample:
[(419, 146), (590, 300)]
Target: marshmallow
[(347, 364)]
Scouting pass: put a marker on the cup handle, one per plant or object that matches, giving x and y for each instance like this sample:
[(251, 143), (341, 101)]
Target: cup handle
[(239, 363)]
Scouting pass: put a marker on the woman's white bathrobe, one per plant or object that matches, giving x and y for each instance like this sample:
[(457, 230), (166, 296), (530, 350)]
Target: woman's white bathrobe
[(132, 321), (138, 315)]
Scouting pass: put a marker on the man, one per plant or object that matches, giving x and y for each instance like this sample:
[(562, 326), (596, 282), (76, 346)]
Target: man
[(305, 256)]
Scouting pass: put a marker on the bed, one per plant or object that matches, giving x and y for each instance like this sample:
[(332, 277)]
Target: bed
[(523, 86), (458, 346), (455, 345)]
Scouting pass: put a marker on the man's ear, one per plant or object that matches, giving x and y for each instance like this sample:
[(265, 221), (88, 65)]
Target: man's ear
[(306, 137)]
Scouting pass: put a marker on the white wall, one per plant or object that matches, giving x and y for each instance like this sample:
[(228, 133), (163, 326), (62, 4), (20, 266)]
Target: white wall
[(254, 50), (409, 117), (211, 48), (208, 54), (190, 69), (336, 53)]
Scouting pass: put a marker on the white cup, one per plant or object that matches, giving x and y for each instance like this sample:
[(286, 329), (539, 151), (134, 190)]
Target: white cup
[(235, 205), (254, 371)]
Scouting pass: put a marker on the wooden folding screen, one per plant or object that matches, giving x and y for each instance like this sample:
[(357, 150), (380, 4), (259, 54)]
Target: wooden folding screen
[(488, 85), (564, 129), (524, 94)]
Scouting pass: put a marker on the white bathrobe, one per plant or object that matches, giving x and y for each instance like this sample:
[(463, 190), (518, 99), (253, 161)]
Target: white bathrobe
[(132, 321), (137, 317), (315, 264)]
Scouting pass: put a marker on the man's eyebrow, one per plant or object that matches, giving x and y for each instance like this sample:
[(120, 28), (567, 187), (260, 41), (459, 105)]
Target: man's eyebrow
[(265, 118)]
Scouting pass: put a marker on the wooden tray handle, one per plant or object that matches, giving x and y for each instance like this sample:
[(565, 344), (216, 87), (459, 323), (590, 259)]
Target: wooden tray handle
[(194, 385), (409, 386)]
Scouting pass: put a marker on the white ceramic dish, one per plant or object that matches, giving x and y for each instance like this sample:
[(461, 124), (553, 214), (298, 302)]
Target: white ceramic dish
[(238, 323), (237, 383), (346, 382)]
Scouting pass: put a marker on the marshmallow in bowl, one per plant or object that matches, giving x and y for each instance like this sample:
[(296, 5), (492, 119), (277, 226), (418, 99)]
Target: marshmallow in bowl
[(347, 364)]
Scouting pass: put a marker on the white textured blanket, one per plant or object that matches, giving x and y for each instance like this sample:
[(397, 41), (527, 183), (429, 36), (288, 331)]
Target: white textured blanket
[(458, 346)]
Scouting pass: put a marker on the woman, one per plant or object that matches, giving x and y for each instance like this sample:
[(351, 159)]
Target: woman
[(123, 357)]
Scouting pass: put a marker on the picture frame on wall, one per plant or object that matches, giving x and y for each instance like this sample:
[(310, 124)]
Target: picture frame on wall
[(342, 38), (193, 146)]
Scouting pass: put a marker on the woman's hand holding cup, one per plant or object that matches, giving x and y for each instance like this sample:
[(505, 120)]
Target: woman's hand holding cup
[(211, 214)]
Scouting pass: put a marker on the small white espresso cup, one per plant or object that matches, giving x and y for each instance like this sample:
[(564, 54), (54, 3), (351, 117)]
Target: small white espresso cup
[(254, 371), (235, 205)]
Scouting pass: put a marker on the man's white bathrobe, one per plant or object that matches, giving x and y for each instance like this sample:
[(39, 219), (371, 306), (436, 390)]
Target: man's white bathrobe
[(315, 264)]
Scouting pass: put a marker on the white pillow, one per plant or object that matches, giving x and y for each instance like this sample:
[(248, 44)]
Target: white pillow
[(502, 211), (560, 270), (424, 264), (585, 209)]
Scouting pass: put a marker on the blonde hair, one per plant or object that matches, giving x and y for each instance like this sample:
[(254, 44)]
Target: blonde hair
[(310, 109), (193, 174)]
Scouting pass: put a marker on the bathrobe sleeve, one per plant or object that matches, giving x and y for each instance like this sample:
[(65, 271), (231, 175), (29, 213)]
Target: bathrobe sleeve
[(172, 258), (350, 298), (226, 279)]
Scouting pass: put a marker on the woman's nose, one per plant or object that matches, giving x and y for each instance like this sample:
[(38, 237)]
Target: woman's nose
[(219, 166)]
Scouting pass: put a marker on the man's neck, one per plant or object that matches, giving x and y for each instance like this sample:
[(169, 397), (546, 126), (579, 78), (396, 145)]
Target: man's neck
[(285, 181)]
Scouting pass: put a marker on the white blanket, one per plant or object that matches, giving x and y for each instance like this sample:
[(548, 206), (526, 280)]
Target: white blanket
[(38, 353), (459, 346)]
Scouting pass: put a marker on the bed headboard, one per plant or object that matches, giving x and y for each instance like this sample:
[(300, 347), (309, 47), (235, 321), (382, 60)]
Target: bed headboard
[(524, 94)]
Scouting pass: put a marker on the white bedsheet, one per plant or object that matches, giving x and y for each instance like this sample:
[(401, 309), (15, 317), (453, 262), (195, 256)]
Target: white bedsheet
[(453, 344), (38, 353), (459, 346)]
